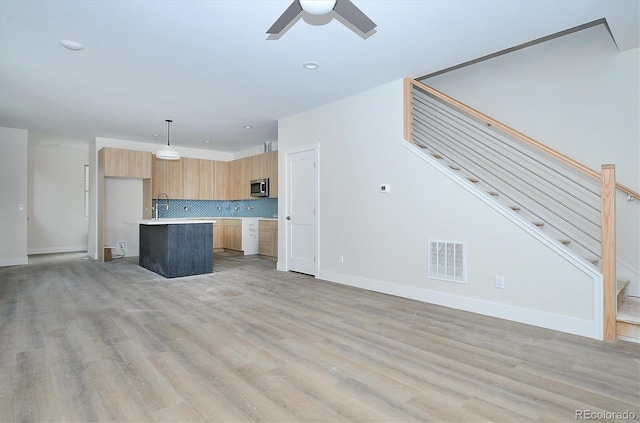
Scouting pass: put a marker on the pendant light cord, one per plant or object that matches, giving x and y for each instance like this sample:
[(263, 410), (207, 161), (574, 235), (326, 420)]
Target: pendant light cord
[(168, 131)]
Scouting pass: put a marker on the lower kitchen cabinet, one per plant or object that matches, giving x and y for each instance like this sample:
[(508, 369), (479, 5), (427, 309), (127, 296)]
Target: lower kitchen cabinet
[(232, 234), (218, 243), (268, 238), (240, 235)]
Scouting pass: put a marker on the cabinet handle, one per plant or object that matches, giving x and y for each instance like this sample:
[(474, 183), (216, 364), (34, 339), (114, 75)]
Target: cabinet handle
[(288, 217)]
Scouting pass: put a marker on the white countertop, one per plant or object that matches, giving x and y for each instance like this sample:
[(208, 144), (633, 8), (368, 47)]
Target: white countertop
[(175, 221), (185, 220)]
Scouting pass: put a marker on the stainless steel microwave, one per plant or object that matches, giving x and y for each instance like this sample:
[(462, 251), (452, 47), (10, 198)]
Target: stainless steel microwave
[(260, 187)]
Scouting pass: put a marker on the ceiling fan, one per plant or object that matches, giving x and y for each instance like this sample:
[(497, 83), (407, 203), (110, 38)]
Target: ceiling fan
[(345, 8)]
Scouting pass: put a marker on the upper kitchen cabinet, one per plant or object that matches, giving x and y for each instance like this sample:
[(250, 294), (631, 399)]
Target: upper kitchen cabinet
[(120, 163), (271, 168), (200, 179), (190, 179), (207, 179), (243, 171), (238, 185), (168, 178), (220, 180)]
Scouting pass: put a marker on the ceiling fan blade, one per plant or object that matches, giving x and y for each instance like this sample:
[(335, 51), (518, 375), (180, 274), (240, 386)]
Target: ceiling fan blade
[(355, 16), (285, 19)]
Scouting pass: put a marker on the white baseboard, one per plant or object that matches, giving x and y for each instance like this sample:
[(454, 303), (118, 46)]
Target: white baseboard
[(538, 318), (57, 249), (14, 261)]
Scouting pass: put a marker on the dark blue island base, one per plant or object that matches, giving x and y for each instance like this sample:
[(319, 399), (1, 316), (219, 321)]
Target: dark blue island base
[(175, 250)]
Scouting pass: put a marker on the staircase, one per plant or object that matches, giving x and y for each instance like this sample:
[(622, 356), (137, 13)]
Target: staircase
[(566, 201), (628, 315)]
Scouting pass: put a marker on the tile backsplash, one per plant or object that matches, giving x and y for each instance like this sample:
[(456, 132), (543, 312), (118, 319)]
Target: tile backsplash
[(262, 207)]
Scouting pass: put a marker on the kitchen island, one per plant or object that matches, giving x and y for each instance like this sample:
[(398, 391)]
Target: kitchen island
[(177, 247)]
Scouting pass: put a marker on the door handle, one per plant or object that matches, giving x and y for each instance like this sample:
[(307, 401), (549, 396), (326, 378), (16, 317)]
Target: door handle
[(288, 217)]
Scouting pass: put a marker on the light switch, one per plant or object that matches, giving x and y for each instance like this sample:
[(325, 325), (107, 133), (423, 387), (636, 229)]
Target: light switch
[(385, 188)]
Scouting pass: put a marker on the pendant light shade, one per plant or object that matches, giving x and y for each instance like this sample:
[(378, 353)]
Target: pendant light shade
[(168, 153)]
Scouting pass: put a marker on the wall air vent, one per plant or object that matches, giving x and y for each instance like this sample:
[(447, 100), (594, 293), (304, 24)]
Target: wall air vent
[(447, 261)]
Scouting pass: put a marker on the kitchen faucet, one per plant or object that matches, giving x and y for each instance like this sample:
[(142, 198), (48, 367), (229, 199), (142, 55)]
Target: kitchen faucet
[(164, 197)]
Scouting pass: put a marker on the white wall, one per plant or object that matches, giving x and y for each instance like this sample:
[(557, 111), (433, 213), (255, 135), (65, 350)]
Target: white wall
[(13, 196), (56, 200), (578, 95), (384, 237)]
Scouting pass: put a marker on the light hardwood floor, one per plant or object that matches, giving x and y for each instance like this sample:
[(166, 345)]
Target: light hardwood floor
[(87, 341)]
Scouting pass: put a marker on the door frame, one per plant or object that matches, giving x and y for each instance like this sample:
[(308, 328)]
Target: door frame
[(284, 188)]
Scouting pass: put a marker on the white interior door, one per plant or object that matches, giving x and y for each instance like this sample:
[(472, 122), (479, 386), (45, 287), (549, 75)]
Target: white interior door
[(300, 220)]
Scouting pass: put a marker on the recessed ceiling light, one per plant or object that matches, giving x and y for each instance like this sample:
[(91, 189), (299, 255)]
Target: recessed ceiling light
[(207, 142), (311, 65), (155, 135), (72, 45), (247, 127)]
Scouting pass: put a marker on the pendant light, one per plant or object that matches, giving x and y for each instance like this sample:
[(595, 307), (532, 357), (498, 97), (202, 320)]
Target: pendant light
[(317, 7), (168, 153)]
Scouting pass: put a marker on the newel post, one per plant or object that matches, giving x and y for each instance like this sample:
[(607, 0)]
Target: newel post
[(608, 216)]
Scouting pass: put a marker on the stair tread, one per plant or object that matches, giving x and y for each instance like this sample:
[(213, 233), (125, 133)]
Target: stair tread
[(629, 311), (493, 193), (565, 241), (454, 167), (515, 208), (472, 179), (539, 224), (592, 260)]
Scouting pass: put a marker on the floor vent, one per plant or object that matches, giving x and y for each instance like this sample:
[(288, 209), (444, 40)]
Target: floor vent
[(447, 261)]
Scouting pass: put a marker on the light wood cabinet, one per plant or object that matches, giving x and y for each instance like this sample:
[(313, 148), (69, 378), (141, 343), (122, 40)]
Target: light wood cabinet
[(220, 180), (190, 179), (217, 235), (206, 182), (232, 234), (242, 171), (121, 163), (271, 170), (200, 179), (257, 167), (167, 178), (236, 180), (139, 164), (175, 179), (268, 238), (199, 176)]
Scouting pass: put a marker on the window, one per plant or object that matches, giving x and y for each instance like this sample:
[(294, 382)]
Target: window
[(86, 191)]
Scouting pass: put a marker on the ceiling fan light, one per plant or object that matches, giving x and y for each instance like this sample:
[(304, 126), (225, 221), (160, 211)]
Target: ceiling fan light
[(317, 7)]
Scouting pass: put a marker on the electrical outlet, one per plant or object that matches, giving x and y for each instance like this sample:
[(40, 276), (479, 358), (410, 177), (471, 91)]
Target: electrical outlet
[(122, 245), (499, 282), (340, 259)]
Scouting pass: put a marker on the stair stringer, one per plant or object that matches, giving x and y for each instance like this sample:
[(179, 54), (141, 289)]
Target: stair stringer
[(553, 244)]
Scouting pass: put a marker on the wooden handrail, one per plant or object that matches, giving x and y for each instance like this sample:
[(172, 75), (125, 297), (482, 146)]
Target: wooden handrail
[(522, 137)]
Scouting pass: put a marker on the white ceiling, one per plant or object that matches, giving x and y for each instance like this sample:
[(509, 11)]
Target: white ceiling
[(210, 66)]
